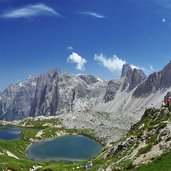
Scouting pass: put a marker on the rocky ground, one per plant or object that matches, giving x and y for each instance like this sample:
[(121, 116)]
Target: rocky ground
[(146, 141), (105, 127)]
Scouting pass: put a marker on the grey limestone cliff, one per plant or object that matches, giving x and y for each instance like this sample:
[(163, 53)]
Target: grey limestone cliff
[(133, 77), (51, 93), (156, 81)]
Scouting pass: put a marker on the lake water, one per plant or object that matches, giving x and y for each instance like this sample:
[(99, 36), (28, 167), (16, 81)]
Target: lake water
[(10, 133), (68, 148)]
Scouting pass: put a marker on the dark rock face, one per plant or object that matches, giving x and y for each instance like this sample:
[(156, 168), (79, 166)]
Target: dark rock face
[(168, 95), (133, 77), (150, 85), (112, 88), (137, 77), (165, 76), (45, 96), (155, 82), (126, 71), (89, 79)]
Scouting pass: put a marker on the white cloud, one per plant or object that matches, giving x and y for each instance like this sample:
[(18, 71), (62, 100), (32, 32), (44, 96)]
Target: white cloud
[(113, 64), (133, 67), (80, 61), (30, 11), (70, 48), (93, 14)]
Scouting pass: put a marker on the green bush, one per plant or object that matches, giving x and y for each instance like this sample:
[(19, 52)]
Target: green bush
[(152, 139), (145, 149), (130, 165), (162, 125)]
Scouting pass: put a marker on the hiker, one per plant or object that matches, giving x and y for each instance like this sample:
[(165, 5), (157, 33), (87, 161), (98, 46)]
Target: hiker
[(90, 165), (167, 102)]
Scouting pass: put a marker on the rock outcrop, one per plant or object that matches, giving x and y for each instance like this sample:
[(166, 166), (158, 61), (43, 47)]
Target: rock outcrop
[(154, 82), (133, 77), (16, 100), (90, 79), (126, 71), (130, 78), (112, 88)]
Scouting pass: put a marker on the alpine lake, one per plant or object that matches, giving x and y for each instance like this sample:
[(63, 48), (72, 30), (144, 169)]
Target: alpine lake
[(63, 148), (10, 133)]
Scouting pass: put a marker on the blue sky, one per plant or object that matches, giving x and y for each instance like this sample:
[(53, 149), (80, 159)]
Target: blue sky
[(82, 36)]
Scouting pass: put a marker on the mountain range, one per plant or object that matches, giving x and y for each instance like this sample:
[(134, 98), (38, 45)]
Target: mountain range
[(86, 100)]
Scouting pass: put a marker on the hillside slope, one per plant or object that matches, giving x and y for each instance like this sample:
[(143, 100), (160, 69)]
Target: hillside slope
[(147, 140), (147, 146), (129, 104)]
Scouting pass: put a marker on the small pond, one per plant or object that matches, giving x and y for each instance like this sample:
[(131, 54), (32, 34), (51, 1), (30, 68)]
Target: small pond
[(68, 148), (10, 133)]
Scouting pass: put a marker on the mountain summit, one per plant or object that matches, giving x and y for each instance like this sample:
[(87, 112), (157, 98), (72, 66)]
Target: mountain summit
[(51, 93), (133, 76), (126, 70), (83, 96)]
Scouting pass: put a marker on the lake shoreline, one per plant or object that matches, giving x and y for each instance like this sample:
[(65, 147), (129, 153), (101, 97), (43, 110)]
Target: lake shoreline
[(74, 148)]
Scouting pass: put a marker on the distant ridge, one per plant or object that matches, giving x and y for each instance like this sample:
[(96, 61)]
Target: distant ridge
[(54, 93)]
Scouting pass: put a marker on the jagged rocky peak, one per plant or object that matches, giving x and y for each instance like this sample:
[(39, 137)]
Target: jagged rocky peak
[(137, 77), (165, 75), (51, 93), (19, 100), (129, 72), (130, 78), (126, 70), (51, 73), (155, 81), (89, 79), (45, 99), (31, 77), (133, 76)]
